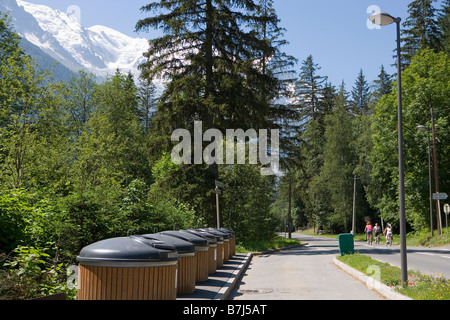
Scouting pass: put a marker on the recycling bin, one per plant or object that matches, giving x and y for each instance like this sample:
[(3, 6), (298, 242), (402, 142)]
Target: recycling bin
[(127, 268), (226, 242), (220, 245), (232, 243), (212, 250), (187, 263), (346, 244), (201, 252)]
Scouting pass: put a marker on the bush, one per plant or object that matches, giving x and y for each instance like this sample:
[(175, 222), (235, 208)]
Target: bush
[(31, 273)]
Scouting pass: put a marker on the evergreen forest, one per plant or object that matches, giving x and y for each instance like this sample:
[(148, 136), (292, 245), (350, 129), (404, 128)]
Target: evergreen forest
[(82, 161)]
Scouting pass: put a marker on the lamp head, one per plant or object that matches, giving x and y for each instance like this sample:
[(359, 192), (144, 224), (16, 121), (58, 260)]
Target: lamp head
[(422, 128), (383, 19)]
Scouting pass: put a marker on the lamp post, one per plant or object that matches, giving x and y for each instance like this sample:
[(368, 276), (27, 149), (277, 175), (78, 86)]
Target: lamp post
[(423, 128), (384, 19)]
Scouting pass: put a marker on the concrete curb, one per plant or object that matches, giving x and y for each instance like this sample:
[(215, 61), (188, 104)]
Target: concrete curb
[(371, 283), (224, 292)]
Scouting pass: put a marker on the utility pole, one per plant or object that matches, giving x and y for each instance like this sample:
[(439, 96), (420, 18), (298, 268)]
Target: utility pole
[(289, 212), (354, 208), (436, 174)]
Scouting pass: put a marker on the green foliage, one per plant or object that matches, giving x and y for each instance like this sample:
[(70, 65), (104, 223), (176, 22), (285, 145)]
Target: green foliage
[(339, 162), (420, 30), (426, 85), (276, 242), (222, 78), (32, 274), (246, 202), (82, 161), (25, 219)]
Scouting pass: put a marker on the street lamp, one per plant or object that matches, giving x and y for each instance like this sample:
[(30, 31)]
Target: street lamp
[(384, 19), (423, 128)]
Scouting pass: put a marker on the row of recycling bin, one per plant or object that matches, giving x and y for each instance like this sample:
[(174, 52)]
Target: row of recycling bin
[(156, 266)]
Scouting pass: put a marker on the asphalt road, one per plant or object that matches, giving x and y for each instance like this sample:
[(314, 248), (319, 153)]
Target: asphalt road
[(308, 272), (432, 261), (302, 273)]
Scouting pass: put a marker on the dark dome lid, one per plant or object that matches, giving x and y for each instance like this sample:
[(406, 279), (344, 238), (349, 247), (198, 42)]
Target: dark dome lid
[(127, 250), (219, 235), (195, 239), (229, 231), (180, 245), (223, 234), (212, 239)]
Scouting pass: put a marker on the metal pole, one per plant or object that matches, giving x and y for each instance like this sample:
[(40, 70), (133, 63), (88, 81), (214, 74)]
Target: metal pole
[(354, 208), (217, 206), (429, 184), (290, 217), (404, 269), (436, 175)]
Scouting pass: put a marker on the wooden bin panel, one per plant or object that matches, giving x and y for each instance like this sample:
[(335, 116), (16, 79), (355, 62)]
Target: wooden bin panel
[(202, 266), (110, 283), (212, 257), (232, 247), (226, 251), (187, 271), (219, 260)]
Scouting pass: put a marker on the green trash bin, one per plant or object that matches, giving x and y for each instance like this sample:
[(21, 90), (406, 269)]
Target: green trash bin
[(346, 244)]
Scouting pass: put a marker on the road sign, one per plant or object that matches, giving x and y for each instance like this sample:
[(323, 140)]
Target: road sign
[(440, 196), (220, 184), (447, 208)]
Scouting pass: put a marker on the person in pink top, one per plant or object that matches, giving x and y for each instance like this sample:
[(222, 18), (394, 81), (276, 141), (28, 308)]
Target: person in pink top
[(368, 230)]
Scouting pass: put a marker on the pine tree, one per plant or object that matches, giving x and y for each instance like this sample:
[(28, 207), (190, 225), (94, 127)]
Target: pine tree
[(383, 85), (278, 64), (147, 103), (360, 94), (314, 100), (444, 23), (420, 30), (211, 56), (339, 161), (309, 90)]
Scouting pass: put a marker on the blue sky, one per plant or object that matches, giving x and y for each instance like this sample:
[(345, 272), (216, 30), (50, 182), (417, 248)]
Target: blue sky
[(334, 32)]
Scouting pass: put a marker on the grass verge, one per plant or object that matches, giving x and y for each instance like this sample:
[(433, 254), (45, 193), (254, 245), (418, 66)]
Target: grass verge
[(262, 245), (419, 286)]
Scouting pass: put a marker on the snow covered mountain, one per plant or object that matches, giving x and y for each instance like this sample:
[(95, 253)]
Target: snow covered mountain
[(98, 49)]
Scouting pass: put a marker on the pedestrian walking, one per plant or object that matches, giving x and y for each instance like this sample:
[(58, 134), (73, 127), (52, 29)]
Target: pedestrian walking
[(377, 231)]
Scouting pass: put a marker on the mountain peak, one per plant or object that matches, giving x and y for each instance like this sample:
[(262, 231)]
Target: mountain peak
[(98, 49)]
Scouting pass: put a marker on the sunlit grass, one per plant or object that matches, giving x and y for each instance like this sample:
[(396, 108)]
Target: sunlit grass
[(418, 287), (262, 245)]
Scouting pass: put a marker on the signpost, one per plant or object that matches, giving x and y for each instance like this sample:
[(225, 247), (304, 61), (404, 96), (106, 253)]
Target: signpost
[(218, 191), (440, 196)]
